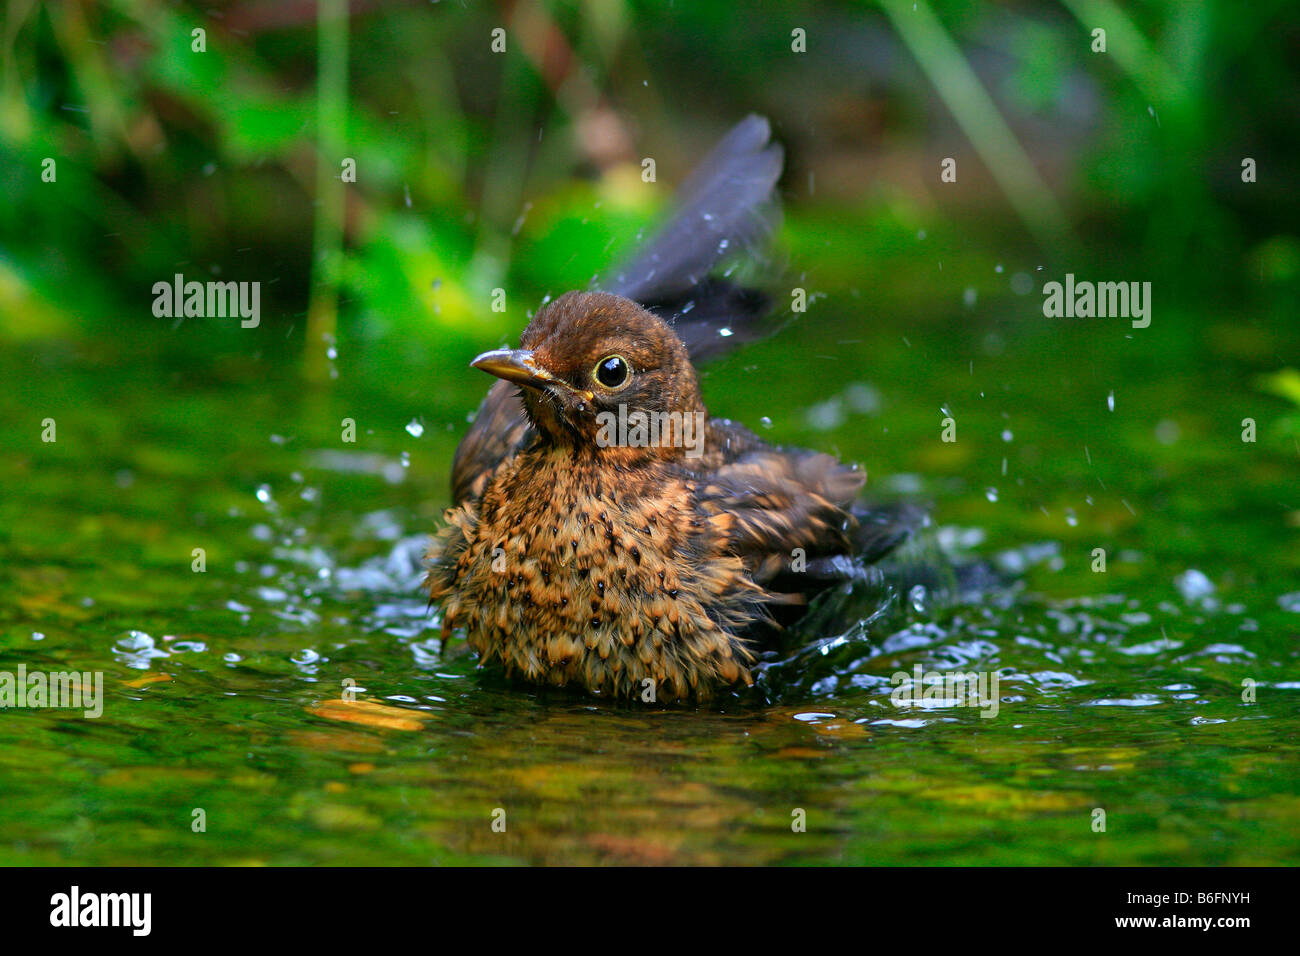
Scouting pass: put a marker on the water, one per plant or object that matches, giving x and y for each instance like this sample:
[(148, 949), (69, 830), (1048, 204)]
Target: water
[(227, 689)]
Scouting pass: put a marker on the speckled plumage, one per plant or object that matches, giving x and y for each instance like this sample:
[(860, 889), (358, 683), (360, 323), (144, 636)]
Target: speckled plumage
[(571, 561)]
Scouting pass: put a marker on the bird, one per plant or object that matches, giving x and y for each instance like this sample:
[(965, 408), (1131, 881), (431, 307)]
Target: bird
[(606, 533)]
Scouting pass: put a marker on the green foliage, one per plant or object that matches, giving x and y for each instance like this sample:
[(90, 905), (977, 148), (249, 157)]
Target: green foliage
[(479, 170)]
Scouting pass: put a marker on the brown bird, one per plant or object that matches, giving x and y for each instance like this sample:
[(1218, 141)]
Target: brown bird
[(606, 532)]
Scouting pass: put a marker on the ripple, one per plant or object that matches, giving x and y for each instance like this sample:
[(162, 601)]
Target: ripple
[(1137, 700), (138, 649)]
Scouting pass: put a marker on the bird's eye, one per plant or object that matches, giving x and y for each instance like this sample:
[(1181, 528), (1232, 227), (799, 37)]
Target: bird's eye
[(613, 371)]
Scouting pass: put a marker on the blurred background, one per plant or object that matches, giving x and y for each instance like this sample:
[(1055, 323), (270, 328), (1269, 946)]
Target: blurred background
[(500, 146), (521, 169)]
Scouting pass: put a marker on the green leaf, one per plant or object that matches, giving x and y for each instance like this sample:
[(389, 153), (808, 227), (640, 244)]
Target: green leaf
[(1284, 383)]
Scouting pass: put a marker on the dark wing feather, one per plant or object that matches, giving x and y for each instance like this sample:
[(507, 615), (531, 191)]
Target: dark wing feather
[(726, 210), (725, 206), (715, 317), (780, 499), (498, 431)]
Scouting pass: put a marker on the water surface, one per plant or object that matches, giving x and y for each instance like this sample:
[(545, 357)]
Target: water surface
[(1119, 691)]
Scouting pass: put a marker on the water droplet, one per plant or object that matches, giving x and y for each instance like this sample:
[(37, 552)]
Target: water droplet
[(415, 428), (1006, 434), (862, 398), (827, 415), (991, 494), (138, 648), (1167, 431), (1110, 401), (1194, 585), (918, 597)]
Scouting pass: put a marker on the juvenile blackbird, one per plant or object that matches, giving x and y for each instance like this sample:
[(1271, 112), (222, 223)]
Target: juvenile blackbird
[(635, 561)]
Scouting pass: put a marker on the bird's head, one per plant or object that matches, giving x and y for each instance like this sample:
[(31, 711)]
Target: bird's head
[(598, 372)]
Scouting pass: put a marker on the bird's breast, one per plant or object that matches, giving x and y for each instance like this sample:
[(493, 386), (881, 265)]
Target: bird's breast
[(609, 578)]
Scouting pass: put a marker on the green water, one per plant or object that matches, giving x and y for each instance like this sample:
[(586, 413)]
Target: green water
[(1120, 691)]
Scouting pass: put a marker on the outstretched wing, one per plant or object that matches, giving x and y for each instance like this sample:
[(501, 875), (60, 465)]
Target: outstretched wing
[(726, 211), (726, 206)]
